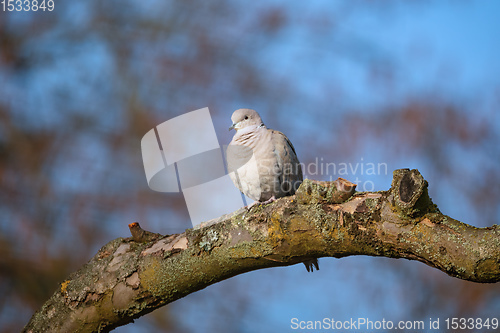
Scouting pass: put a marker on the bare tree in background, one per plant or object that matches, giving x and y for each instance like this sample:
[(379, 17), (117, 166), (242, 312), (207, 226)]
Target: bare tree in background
[(82, 84)]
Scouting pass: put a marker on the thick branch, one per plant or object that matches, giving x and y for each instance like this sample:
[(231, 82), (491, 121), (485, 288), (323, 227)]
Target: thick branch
[(131, 277)]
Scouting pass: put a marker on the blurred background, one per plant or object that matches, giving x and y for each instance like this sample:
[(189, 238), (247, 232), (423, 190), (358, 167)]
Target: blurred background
[(413, 84)]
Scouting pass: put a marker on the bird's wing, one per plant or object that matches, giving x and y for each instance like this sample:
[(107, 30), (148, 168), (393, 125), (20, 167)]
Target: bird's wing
[(291, 170)]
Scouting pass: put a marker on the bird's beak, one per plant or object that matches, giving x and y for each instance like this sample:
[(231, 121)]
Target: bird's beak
[(232, 126)]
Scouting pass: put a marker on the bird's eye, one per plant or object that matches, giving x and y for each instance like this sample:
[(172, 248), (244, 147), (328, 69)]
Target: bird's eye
[(246, 117)]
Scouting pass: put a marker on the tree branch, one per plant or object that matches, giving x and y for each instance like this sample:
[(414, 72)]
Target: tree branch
[(131, 277)]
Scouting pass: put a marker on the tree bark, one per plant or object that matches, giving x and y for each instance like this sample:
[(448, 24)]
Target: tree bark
[(130, 277)]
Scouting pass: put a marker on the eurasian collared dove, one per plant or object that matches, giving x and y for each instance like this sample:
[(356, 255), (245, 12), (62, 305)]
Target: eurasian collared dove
[(262, 162)]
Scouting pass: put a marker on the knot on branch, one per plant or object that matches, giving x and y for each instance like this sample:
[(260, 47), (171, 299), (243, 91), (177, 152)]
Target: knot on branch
[(337, 191), (409, 190)]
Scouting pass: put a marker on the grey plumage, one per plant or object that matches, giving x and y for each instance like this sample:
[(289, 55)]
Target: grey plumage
[(262, 162)]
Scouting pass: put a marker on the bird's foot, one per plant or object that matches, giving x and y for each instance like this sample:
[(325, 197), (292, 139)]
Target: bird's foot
[(258, 203), (271, 199)]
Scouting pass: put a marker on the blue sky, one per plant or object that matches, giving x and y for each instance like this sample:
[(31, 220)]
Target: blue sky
[(452, 45)]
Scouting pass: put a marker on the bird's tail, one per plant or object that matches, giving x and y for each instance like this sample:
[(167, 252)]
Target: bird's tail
[(311, 264)]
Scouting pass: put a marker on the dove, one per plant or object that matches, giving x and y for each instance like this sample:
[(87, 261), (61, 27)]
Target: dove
[(262, 162)]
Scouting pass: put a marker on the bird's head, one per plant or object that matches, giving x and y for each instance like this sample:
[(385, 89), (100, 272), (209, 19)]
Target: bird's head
[(244, 118)]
